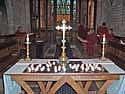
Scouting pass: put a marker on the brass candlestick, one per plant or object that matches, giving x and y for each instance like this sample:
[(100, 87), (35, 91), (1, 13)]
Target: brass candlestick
[(103, 48), (103, 51), (63, 56), (27, 59)]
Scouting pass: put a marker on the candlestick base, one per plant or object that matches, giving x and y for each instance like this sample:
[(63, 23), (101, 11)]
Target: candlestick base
[(103, 58), (63, 57), (27, 59)]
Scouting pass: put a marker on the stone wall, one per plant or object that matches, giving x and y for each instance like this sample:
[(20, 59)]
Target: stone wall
[(18, 14), (3, 18), (113, 13), (103, 13), (118, 17), (83, 12)]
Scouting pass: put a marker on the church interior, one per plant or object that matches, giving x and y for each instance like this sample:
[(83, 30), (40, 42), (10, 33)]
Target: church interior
[(62, 46)]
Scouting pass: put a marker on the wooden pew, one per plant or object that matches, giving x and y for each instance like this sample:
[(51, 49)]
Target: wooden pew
[(116, 52), (7, 46)]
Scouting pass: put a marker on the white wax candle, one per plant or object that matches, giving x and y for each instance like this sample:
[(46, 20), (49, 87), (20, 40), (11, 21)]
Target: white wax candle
[(27, 39), (104, 39)]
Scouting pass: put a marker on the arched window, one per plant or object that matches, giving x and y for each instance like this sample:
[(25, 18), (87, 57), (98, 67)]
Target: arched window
[(3, 9), (65, 9)]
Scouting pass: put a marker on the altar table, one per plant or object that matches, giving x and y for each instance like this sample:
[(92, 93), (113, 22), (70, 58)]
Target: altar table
[(49, 83)]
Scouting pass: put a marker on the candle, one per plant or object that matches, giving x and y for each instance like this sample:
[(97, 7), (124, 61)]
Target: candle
[(27, 39), (104, 39)]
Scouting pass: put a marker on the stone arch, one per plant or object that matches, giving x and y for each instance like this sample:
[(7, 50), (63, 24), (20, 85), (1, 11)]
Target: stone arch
[(3, 18), (3, 7)]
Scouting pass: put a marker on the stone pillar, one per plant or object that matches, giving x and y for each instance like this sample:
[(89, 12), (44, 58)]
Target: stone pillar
[(3, 19), (18, 12), (48, 16), (83, 12), (10, 16), (42, 13), (27, 15), (91, 13), (99, 12), (78, 11)]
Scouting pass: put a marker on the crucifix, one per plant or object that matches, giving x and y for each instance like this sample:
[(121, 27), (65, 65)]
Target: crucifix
[(63, 56)]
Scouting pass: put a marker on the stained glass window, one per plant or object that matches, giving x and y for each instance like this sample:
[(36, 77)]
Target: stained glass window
[(74, 11), (3, 8), (63, 7)]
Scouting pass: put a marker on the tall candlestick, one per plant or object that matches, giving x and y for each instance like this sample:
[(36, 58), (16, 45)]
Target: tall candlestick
[(27, 49), (103, 47)]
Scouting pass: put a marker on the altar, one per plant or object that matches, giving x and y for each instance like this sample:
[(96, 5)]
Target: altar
[(50, 82)]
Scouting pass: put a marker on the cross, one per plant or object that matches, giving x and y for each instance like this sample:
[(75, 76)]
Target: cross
[(63, 28)]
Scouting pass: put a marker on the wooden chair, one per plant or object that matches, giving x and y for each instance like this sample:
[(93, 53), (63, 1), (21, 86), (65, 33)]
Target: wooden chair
[(20, 37)]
